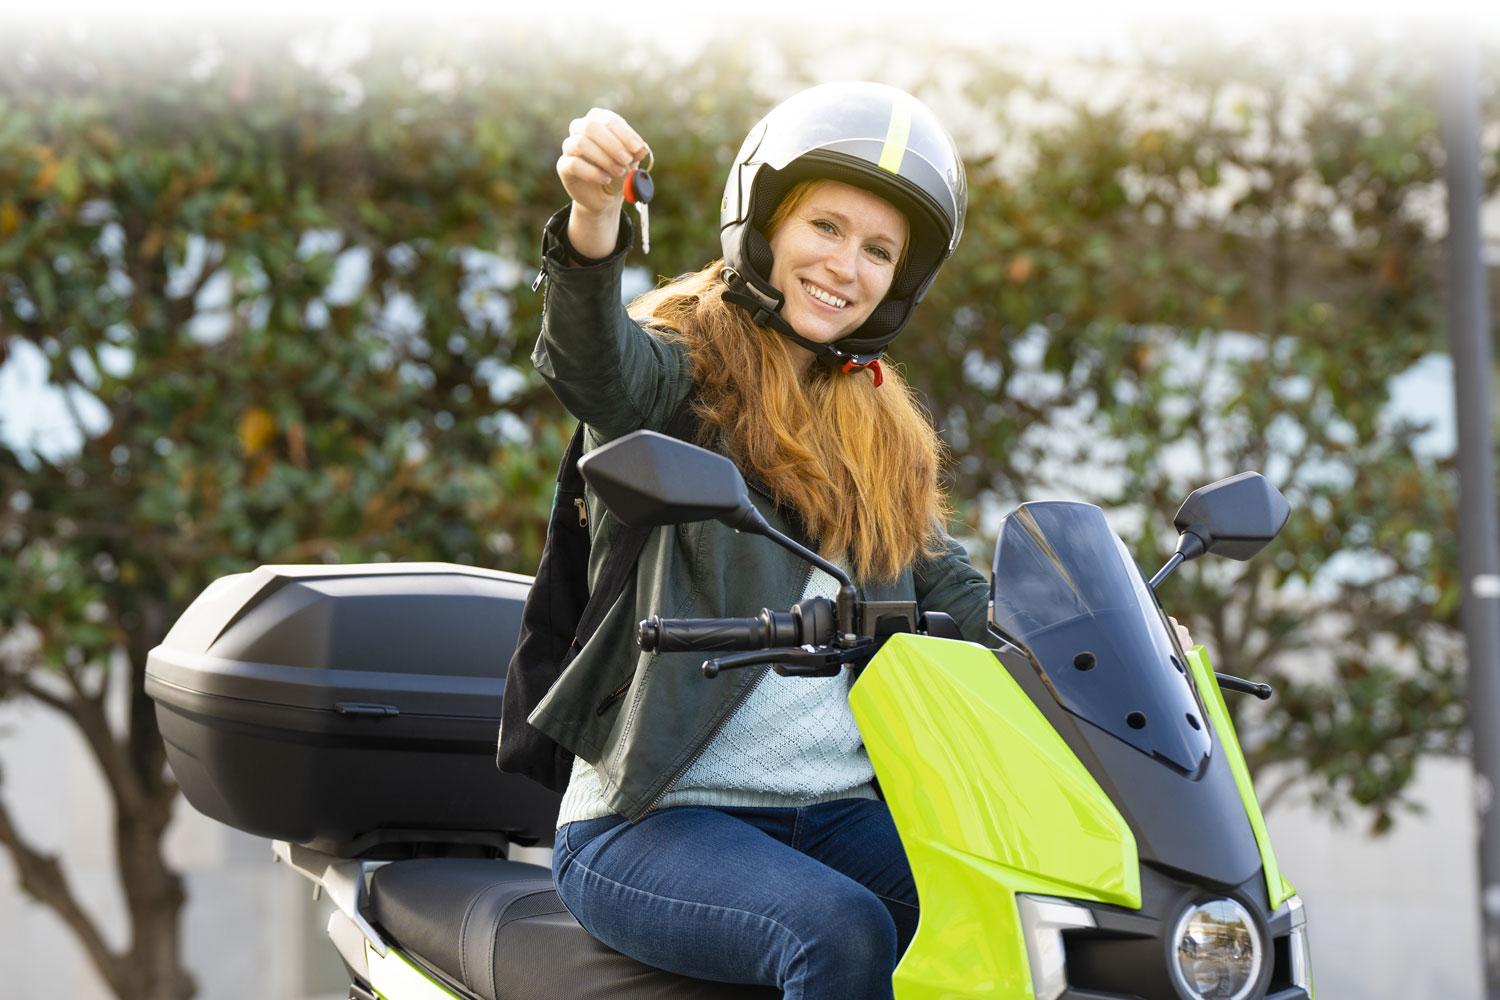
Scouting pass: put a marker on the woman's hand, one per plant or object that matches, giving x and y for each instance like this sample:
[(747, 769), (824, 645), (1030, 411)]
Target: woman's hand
[(601, 148), (1183, 636)]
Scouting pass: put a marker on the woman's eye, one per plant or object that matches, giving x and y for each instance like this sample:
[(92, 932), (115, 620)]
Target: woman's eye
[(881, 253), (825, 225)]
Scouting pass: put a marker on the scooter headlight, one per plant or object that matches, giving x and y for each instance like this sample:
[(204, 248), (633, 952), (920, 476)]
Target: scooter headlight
[(1217, 951)]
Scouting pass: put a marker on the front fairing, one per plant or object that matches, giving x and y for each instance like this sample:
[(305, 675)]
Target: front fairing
[(990, 802), (1067, 595), (1008, 774)]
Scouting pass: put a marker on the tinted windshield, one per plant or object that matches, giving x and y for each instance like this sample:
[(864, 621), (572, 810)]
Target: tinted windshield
[(1067, 591)]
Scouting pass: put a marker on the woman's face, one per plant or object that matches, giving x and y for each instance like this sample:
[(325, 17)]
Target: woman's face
[(835, 256)]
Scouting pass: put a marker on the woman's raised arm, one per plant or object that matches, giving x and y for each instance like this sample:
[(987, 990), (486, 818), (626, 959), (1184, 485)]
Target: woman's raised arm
[(607, 370)]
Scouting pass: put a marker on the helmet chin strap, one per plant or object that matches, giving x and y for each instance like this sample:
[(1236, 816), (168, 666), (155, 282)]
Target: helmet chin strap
[(765, 310)]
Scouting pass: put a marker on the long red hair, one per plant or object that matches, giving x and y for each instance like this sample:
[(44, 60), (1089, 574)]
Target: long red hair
[(859, 464)]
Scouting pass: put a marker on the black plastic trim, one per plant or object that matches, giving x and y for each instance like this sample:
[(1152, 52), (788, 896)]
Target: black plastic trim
[(436, 974), (1192, 823), (329, 727)]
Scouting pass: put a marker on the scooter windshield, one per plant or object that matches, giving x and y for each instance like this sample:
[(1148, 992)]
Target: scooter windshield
[(1067, 591)]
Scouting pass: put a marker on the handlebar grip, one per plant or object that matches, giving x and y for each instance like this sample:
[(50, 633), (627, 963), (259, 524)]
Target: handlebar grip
[(764, 631)]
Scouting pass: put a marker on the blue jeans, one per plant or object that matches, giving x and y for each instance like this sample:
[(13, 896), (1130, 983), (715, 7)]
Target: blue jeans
[(817, 900)]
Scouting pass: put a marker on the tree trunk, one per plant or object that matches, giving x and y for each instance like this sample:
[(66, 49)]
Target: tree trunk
[(154, 892), (155, 896), (150, 967)]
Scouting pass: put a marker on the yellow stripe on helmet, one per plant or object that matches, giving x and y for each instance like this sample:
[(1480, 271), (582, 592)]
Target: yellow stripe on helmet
[(894, 150)]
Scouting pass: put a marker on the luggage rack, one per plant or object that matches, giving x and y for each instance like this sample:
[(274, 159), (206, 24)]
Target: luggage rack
[(344, 880)]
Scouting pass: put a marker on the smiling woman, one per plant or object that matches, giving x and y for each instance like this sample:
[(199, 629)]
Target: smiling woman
[(841, 246), (731, 831)]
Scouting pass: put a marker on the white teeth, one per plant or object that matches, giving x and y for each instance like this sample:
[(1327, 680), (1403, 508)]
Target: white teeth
[(823, 296)]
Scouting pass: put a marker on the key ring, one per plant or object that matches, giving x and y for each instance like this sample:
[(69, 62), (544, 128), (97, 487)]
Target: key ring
[(649, 162)]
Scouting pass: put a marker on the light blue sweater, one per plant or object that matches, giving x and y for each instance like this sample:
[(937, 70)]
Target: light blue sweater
[(792, 742)]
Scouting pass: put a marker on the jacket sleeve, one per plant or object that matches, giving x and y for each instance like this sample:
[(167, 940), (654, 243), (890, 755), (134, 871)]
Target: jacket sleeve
[(949, 582), (606, 369)]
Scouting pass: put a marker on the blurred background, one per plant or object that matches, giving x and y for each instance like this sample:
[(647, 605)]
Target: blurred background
[(265, 298)]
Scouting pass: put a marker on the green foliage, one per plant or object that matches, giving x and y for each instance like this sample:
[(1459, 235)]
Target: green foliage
[(291, 300), (1225, 270), (298, 286)]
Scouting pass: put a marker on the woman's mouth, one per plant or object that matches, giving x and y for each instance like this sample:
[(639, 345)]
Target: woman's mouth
[(824, 297)]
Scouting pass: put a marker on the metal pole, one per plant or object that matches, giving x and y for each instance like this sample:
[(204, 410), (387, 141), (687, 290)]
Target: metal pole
[(1479, 551)]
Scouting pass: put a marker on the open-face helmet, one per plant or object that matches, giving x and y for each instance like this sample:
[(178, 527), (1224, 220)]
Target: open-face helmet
[(874, 137)]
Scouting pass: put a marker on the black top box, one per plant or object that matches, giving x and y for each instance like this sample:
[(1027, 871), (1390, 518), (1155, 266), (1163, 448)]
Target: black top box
[(349, 707)]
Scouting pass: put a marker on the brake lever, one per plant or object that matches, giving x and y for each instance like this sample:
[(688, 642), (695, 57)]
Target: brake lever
[(794, 661), (734, 661), (1232, 683)]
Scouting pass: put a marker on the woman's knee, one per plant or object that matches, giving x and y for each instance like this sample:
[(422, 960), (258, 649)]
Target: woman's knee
[(849, 944), (871, 932)]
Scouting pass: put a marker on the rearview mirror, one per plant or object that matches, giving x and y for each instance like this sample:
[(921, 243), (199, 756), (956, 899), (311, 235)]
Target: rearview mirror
[(648, 479), (1234, 517)]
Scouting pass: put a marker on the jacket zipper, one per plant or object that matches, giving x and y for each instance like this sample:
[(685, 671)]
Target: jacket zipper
[(615, 695), (718, 726), (703, 747)]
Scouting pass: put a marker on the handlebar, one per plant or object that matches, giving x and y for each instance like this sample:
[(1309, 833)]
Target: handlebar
[(769, 628), (807, 623)]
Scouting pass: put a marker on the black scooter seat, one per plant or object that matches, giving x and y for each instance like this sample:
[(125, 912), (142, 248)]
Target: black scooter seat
[(497, 929)]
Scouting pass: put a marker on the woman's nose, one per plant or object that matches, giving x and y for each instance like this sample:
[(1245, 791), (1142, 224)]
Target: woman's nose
[(843, 262)]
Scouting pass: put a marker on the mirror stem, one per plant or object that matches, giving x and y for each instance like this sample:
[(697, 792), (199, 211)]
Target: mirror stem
[(1166, 571), (751, 520), (1189, 546)]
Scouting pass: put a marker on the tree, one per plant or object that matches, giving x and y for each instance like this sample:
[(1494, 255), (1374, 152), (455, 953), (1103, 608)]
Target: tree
[(285, 287), (1226, 270), (1222, 265), (289, 306)]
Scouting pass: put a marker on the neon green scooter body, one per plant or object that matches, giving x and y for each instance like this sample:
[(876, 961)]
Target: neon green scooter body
[(1277, 888), (991, 802)]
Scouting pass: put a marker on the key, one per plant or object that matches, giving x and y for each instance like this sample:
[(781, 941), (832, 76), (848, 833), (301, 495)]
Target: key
[(638, 191), (644, 211)]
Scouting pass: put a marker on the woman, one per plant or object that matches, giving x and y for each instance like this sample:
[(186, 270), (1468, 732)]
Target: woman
[(729, 829)]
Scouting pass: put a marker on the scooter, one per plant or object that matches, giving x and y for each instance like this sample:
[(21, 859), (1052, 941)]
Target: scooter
[(1075, 805)]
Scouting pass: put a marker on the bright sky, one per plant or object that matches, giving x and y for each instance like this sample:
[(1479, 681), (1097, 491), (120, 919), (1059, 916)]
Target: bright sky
[(1069, 24)]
